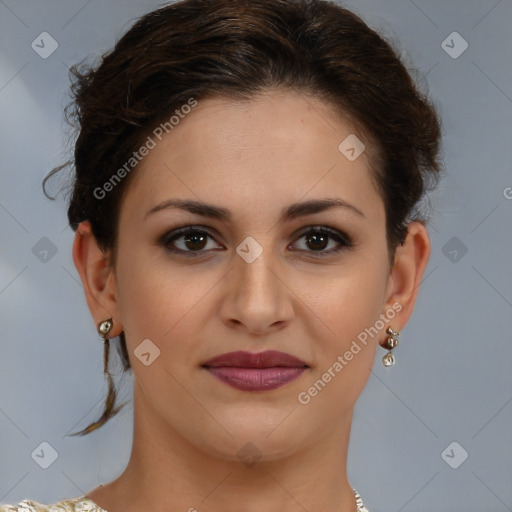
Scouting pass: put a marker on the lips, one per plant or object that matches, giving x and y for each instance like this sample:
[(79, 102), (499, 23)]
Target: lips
[(262, 371), (267, 359)]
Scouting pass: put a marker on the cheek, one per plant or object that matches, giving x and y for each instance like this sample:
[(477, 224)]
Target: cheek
[(348, 306), (348, 299), (154, 302), (166, 303)]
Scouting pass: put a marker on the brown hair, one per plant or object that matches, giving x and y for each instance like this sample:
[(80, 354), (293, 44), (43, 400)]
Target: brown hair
[(238, 49)]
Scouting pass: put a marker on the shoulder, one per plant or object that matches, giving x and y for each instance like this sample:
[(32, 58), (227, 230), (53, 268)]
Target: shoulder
[(78, 504)]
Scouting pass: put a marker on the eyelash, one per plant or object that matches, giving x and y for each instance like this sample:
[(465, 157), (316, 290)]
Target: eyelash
[(341, 238)]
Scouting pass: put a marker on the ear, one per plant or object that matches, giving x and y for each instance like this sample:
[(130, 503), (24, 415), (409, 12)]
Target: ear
[(410, 261), (97, 277)]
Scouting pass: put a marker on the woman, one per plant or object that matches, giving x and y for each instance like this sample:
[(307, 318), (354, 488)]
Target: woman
[(248, 175)]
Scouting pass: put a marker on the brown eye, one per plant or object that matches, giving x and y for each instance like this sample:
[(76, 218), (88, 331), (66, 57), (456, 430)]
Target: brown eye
[(195, 241), (189, 240), (318, 239)]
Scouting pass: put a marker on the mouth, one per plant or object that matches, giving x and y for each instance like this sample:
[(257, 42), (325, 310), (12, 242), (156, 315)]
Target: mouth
[(262, 371)]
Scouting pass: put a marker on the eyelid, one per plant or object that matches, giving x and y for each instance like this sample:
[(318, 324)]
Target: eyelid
[(325, 228)]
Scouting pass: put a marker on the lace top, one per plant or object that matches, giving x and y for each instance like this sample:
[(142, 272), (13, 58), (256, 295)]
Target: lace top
[(78, 504), (85, 504)]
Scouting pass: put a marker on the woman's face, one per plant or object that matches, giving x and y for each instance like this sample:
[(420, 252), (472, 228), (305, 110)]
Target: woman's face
[(253, 279)]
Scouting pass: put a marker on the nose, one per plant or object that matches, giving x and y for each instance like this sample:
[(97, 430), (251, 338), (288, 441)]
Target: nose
[(257, 300)]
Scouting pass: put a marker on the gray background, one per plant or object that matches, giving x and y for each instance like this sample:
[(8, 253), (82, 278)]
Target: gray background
[(453, 379)]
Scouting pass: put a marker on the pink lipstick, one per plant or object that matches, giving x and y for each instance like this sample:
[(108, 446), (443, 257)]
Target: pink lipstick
[(262, 371)]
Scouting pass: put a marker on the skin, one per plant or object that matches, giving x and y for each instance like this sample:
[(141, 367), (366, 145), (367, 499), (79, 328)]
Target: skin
[(254, 158)]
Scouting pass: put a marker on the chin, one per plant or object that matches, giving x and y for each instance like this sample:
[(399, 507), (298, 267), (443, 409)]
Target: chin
[(252, 443)]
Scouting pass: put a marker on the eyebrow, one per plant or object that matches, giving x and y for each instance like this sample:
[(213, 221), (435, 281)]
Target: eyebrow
[(291, 212)]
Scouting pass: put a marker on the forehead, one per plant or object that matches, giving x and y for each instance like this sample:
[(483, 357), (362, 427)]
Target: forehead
[(264, 152)]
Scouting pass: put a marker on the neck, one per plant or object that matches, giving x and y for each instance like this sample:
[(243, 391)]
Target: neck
[(167, 471)]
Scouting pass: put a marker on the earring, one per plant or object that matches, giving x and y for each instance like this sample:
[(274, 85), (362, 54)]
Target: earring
[(390, 343), (104, 328)]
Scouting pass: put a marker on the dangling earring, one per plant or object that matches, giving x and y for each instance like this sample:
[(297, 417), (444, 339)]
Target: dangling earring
[(104, 329), (390, 343)]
